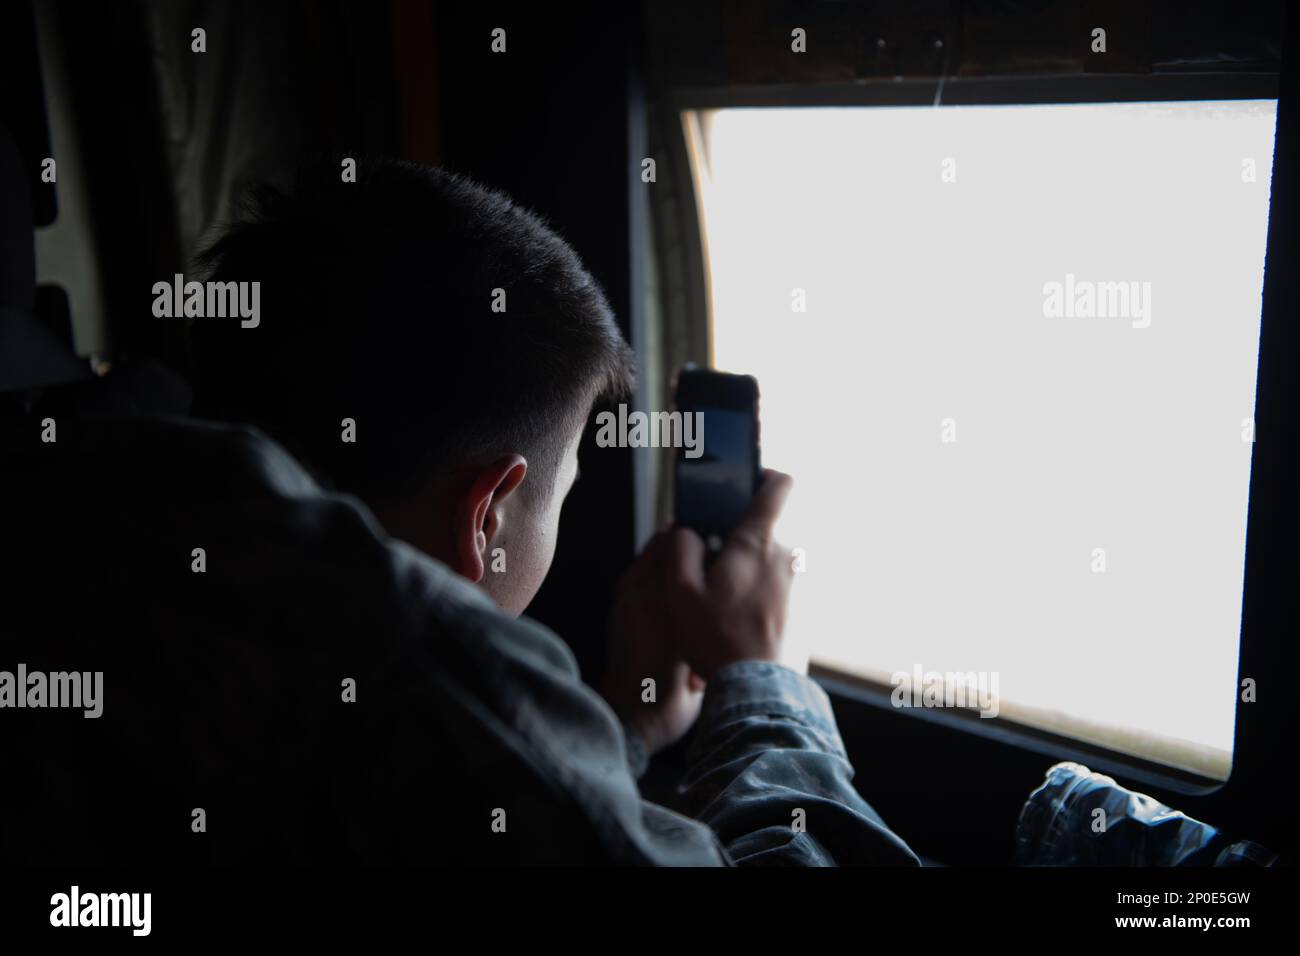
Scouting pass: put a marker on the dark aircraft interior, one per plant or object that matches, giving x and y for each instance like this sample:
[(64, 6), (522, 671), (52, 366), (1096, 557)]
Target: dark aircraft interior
[(1006, 287)]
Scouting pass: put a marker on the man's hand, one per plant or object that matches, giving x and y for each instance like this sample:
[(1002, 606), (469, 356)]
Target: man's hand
[(735, 610), (641, 648), (673, 621)]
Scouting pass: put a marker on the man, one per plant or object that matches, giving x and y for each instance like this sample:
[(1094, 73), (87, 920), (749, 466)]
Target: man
[(434, 350), (461, 336)]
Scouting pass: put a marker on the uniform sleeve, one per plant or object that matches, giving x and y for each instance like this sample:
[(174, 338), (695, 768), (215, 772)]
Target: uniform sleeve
[(767, 772)]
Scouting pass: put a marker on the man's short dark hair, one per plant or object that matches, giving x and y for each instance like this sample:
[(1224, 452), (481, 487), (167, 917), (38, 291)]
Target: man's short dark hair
[(377, 304)]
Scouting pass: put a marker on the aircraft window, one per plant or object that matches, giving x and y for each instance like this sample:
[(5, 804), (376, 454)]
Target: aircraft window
[(1009, 355)]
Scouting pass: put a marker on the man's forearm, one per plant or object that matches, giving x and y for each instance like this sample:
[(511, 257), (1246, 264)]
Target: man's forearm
[(768, 773)]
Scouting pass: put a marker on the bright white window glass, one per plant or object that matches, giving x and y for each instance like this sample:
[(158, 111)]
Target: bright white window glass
[(925, 302)]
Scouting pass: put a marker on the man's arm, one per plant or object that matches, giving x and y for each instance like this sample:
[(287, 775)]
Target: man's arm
[(768, 773), (766, 746), (767, 768)]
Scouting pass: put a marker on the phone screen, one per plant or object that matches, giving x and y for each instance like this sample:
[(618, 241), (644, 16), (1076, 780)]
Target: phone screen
[(714, 489)]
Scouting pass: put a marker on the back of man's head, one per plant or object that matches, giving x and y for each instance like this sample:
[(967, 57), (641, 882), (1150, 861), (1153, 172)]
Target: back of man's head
[(447, 322)]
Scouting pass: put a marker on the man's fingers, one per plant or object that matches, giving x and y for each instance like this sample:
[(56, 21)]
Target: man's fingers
[(647, 569), (766, 507), (685, 560), (654, 552), (657, 544)]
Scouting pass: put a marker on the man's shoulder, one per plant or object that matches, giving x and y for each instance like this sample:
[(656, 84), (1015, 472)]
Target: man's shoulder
[(237, 611)]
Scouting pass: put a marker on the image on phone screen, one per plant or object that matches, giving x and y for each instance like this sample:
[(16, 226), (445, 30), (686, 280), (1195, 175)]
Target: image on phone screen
[(714, 489)]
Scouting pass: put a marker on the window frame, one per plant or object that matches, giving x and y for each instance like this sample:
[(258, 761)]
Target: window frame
[(671, 133)]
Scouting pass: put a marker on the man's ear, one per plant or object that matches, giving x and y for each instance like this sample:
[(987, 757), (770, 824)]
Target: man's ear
[(479, 514)]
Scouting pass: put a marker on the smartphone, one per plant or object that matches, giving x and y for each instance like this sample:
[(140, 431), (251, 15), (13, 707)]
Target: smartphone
[(716, 478)]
